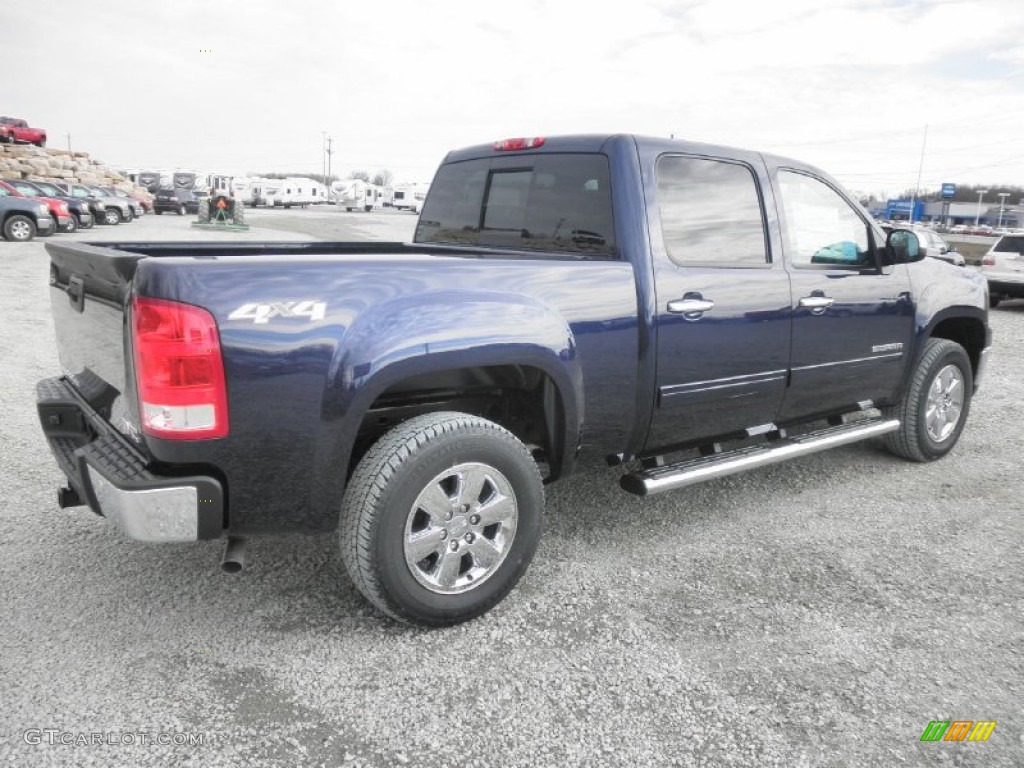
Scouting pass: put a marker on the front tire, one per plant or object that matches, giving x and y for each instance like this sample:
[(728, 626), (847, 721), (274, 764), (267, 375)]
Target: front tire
[(19, 229), (441, 518), (71, 226), (112, 216), (934, 408)]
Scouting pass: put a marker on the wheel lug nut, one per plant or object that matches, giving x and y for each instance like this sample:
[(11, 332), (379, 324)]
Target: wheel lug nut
[(444, 535), (475, 519), (465, 508), (448, 516), (455, 546), (469, 538)]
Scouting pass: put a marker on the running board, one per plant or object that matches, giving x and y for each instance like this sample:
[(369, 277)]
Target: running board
[(672, 476)]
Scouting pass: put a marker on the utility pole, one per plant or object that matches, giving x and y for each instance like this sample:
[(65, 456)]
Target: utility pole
[(323, 156), (981, 194), (69, 141), (920, 168), (327, 178)]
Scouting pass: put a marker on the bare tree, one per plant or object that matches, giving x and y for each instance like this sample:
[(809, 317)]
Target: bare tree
[(361, 175), (383, 178)]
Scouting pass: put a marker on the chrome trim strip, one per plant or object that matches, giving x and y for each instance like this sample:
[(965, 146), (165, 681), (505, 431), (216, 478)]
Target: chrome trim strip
[(847, 362), (731, 381)]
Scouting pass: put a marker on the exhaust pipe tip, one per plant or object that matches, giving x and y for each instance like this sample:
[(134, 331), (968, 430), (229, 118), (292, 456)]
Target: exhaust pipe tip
[(234, 555)]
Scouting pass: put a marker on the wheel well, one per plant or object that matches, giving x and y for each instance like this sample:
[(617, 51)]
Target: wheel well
[(522, 399), (968, 332)]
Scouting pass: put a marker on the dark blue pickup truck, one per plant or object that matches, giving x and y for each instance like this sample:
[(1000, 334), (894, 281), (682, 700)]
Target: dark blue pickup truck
[(686, 310)]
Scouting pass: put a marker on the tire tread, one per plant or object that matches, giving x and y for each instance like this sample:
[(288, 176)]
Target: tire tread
[(368, 484), (903, 442)]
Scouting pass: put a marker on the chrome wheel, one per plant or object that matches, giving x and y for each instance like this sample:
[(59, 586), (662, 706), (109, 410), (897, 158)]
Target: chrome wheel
[(944, 404), (460, 528), (21, 230)]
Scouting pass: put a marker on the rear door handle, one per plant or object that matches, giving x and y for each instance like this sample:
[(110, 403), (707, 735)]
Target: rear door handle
[(817, 304), (690, 306)]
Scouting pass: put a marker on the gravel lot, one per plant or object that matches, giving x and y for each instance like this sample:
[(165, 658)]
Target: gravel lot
[(816, 613)]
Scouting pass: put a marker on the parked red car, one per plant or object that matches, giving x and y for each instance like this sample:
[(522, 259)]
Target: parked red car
[(13, 130), (58, 208)]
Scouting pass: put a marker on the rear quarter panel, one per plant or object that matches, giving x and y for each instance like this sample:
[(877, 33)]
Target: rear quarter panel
[(298, 387)]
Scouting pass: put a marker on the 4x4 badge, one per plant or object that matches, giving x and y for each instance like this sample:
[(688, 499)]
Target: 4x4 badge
[(261, 314)]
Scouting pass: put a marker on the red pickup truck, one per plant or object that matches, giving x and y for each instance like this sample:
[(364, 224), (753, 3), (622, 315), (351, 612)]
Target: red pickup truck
[(13, 130)]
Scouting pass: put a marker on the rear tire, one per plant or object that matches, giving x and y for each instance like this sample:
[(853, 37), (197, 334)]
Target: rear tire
[(181, 210), (993, 301), (19, 229), (441, 518), (934, 408)]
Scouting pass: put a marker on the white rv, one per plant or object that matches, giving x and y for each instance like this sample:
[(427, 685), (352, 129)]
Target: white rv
[(295, 190), (356, 195), (410, 197), (244, 189)]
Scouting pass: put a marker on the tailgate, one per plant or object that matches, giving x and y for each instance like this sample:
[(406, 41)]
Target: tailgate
[(89, 289)]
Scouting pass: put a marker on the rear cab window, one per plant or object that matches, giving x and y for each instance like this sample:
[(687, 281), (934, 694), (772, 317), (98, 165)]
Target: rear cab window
[(554, 202)]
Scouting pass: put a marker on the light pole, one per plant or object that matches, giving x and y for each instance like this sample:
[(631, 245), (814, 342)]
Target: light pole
[(981, 194), (1002, 201)]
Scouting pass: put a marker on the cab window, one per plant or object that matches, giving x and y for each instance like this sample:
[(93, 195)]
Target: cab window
[(821, 228), (710, 213)]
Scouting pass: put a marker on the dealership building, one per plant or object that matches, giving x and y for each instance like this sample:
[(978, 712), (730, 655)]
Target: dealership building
[(951, 214)]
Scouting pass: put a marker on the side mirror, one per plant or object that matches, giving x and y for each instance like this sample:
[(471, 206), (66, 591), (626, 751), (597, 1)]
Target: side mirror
[(903, 246)]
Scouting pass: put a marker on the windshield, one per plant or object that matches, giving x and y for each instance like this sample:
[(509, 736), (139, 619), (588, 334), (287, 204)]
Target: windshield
[(49, 190), (24, 187)]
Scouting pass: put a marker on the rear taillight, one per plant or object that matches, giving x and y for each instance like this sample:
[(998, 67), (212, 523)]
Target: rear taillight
[(179, 370), (988, 260)]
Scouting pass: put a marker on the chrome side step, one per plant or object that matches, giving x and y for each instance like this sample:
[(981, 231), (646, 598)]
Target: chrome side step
[(672, 476)]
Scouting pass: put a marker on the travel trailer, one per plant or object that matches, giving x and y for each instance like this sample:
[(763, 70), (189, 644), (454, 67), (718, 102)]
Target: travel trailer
[(244, 189), (148, 179), (356, 195), (410, 197), (294, 190), (198, 182)]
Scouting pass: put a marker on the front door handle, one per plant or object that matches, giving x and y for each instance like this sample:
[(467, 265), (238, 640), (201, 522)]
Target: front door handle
[(817, 303), (688, 307)]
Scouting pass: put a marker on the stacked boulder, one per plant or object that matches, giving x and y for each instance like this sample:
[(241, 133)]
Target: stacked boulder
[(19, 161)]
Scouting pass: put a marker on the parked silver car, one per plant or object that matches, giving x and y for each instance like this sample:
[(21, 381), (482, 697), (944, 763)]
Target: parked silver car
[(1003, 267)]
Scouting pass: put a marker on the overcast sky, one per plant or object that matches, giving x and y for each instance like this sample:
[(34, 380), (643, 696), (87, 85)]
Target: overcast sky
[(251, 86)]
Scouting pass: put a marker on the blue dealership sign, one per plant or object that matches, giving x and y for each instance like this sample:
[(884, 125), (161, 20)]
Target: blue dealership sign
[(948, 191)]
